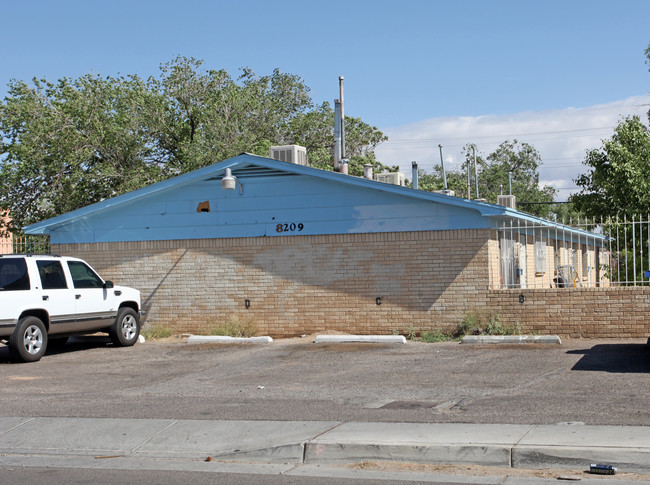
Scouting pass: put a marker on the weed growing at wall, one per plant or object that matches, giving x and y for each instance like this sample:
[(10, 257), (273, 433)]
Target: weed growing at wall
[(233, 327), (481, 323), (154, 333), (436, 335)]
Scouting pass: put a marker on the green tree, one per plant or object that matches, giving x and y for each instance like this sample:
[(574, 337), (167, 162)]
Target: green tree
[(618, 180), (68, 144), (71, 143), (520, 159)]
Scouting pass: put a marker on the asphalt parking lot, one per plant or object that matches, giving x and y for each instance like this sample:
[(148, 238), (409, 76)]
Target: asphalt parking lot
[(597, 382)]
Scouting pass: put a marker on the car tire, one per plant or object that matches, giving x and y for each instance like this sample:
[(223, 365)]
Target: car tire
[(126, 329), (29, 340)]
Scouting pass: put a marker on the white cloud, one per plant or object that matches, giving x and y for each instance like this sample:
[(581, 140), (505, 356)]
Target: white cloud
[(561, 136)]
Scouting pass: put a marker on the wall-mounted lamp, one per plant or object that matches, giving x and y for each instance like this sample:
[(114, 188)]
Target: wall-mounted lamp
[(229, 181)]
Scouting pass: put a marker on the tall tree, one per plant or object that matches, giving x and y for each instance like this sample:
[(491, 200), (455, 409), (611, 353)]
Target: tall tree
[(618, 180), (520, 160), (68, 144), (618, 177)]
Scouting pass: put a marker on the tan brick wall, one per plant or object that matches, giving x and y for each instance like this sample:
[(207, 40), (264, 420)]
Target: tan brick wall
[(308, 284), (302, 284), (576, 312)]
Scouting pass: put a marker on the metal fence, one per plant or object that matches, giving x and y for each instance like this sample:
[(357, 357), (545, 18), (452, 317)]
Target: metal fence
[(604, 253), (25, 245)]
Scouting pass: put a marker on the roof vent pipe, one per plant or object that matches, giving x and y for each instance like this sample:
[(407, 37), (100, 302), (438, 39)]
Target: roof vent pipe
[(337, 135), (367, 171), (414, 167)]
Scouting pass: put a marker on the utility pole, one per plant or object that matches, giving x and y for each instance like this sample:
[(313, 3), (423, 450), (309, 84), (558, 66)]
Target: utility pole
[(475, 172), (442, 162)]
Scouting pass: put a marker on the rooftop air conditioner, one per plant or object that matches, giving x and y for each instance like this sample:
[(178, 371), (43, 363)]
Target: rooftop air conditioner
[(507, 201), (395, 178), (289, 153)]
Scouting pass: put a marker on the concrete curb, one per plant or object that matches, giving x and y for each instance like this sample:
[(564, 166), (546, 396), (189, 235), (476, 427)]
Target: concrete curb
[(511, 339), (374, 339), (58, 440), (199, 339)]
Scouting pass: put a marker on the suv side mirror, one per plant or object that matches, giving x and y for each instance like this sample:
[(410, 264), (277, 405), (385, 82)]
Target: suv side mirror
[(108, 285)]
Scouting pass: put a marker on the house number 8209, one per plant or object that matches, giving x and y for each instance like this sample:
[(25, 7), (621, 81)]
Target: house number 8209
[(289, 227)]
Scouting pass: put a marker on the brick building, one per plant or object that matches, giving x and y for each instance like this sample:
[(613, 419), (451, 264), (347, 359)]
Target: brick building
[(297, 250)]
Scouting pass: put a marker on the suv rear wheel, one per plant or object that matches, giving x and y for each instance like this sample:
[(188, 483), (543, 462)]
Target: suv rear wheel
[(126, 329), (29, 340)]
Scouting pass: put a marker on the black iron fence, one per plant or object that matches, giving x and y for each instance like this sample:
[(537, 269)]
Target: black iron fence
[(608, 252)]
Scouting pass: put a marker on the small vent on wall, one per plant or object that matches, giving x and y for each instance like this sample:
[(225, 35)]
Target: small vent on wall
[(203, 206), (289, 153), (395, 178)]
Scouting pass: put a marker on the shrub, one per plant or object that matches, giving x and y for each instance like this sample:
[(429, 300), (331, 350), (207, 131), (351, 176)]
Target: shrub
[(477, 323), (435, 335), (153, 333)]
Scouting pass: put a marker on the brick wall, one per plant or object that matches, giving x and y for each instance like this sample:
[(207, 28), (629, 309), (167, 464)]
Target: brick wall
[(302, 284), (307, 284), (577, 312)]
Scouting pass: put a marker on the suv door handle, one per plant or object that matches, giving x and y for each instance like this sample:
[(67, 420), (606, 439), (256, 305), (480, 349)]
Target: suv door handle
[(77, 297), (45, 297)]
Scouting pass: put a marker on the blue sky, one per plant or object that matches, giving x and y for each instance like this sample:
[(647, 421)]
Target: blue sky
[(410, 67)]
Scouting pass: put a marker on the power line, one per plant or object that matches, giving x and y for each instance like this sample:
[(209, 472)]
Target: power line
[(405, 140)]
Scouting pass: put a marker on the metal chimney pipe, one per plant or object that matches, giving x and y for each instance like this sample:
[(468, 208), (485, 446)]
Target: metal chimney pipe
[(337, 135), (414, 168), (367, 171)]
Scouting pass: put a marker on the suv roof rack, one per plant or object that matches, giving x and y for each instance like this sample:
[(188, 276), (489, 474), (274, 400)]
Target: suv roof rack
[(29, 255)]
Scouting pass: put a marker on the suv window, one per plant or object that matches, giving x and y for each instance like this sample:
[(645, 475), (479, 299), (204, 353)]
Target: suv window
[(51, 273), (13, 275), (83, 276)]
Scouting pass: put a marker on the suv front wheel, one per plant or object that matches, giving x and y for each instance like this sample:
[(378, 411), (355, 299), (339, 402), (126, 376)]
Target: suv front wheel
[(29, 340), (126, 329)]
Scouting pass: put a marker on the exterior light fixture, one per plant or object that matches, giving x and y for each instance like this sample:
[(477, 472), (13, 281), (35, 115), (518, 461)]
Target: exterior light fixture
[(229, 181)]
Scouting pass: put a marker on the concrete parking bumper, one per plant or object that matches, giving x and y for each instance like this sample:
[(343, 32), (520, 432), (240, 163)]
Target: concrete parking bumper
[(58, 440)]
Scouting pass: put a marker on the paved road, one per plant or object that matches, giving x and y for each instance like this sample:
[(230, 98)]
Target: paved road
[(592, 382), (597, 382)]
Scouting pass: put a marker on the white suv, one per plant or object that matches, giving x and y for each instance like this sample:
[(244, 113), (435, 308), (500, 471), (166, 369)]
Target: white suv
[(53, 297)]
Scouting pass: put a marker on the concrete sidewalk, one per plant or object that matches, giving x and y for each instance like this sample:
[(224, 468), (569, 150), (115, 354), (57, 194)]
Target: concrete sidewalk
[(102, 442)]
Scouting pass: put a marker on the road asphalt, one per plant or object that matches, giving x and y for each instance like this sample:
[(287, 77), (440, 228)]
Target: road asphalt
[(281, 447)]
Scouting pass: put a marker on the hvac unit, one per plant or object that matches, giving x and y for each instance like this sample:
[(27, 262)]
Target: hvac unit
[(395, 178), (507, 201), (289, 153)]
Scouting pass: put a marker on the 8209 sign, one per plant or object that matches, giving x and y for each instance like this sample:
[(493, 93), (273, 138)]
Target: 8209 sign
[(291, 227)]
